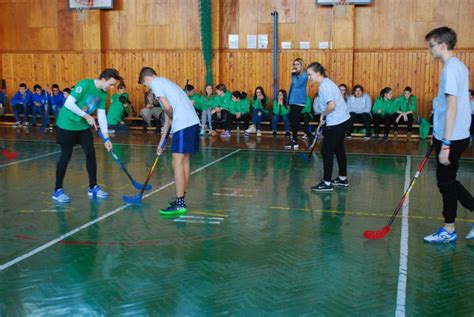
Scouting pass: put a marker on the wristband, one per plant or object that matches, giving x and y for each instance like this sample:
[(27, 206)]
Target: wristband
[(445, 148), (446, 142)]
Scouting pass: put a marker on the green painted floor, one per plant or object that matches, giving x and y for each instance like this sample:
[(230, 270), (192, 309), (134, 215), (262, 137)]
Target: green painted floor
[(256, 241)]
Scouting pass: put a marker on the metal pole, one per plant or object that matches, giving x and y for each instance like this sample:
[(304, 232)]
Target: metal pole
[(275, 55)]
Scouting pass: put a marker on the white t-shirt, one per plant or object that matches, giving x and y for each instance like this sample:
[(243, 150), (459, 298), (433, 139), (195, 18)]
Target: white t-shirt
[(454, 81), (328, 91), (184, 114)]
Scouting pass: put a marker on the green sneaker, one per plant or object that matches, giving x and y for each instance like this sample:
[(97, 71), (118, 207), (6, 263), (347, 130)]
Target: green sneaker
[(173, 209)]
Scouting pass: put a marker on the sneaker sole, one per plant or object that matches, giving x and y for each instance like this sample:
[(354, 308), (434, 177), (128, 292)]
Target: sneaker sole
[(174, 212), (322, 190), (340, 185), (97, 196), (60, 201)]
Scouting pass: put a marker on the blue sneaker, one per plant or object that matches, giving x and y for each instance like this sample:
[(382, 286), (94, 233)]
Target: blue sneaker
[(441, 236), (470, 235), (96, 191), (60, 196)]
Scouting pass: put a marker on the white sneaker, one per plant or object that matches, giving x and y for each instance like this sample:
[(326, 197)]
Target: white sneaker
[(251, 129), (470, 235), (60, 196), (96, 191), (441, 236), (259, 133)]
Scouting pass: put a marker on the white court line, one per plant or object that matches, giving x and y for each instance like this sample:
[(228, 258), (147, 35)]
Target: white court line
[(107, 215), (403, 269), (35, 157)]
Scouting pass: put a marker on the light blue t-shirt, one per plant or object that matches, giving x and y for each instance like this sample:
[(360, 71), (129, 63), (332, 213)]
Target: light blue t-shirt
[(328, 91), (184, 115), (454, 81)]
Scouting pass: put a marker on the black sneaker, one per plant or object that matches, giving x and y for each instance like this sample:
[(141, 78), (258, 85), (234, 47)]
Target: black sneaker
[(274, 133), (292, 144), (322, 187), (287, 134), (385, 137), (340, 183), (376, 137), (348, 136), (367, 137)]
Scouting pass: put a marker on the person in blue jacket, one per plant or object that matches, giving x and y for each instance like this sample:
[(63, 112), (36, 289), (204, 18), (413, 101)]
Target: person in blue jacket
[(21, 101), (40, 105), (297, 99), (56, 102)]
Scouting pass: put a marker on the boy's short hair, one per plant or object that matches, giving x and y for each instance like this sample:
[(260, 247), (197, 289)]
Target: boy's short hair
[(67, 90), (146, 72), (443, 34), (37, 86), (110, 73), (189, 87), (22, 85), (121, 85), (407, 88), (55, 86)]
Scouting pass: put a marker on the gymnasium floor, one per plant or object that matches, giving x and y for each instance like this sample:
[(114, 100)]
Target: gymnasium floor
[(256, 241)]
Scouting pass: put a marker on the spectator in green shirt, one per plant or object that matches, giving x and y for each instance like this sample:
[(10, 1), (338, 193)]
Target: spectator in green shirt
[(383, 110), (406, 109)]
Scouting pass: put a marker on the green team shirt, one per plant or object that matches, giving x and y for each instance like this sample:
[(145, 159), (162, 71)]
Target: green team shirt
[(406, 105), (117, 110), (89, 99), (280, 110), (207, 102)]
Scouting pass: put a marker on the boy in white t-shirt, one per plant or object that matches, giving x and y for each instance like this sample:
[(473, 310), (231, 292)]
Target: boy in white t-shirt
[(451, 122), (181, 116)]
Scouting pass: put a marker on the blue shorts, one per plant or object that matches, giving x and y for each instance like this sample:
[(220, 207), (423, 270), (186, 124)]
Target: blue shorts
[(186, 141)]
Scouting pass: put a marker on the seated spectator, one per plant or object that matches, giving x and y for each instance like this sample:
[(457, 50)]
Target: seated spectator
[(406, 107), (56, 102), (222, 102), (21, 102), (207, 106), (280, 111), (119, 109), (151, 110), (384, 109), (260, 111), (40, 105), (359, 105), (239, 110), (343, 90)]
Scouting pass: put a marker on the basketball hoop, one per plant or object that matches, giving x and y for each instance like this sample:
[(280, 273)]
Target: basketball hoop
[(340, 7)]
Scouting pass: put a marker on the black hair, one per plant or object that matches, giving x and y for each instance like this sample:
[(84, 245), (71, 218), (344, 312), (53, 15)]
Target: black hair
[(189, 87), (264, 101), (123, 99), (68, 90), (110, 73), (285, 96), (145, 72), (443, 34), (23, 85), (384, 91), (55, 86), (317, 68), (236, 94), (243, 95), (121, 85), (37, 86), (357, 87), (407, 88), (471, 92)]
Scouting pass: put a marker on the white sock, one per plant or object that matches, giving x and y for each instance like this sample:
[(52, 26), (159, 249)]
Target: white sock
[(342, 178)]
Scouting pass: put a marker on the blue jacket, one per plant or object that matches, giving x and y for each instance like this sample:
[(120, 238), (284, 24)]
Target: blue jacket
[(18, 98), (2, 98), (41, 99), (297, 94), (57, 100)]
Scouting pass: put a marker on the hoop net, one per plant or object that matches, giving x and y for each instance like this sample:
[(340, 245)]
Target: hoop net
[(340, 7), (83, 7)]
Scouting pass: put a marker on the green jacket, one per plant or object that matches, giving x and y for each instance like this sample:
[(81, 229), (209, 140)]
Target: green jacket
[(405, 105), (280, 110), (223, 101), (196, 100), (117, 111), (307, 107), (206, 102), (257, 104), (389, 106), (242, 106)]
